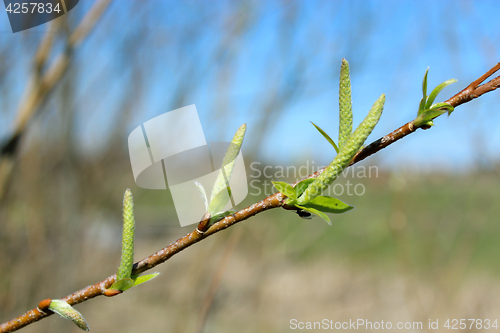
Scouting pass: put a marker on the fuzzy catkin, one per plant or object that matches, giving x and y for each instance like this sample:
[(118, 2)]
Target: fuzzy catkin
[(345, 155), (127, 260), (66, 311), (345, 104)]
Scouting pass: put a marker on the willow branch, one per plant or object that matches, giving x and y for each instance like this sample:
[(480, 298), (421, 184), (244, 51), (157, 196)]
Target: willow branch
[(472, 91)]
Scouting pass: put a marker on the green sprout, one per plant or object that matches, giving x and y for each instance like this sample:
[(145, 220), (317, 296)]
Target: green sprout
[(124, 278), (66, 311), (316, 206), (221, 191), (306, 195), (427, 111)]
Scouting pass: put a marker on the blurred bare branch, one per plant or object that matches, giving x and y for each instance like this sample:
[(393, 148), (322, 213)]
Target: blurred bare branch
[(41, 85), (217, 279)]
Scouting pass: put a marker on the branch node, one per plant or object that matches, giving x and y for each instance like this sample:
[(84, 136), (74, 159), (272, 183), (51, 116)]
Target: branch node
[(44, 305), (111, 292)]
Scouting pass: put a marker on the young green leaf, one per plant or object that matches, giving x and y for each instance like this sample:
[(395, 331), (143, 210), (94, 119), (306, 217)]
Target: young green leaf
[(219, 202), (443, 106), (436, 91), (302, 186), (224, 176), (143, 278), (203, 194), (426, 117), (219, 216), (424, 84), (345, 104), (123, 284), (421, 106), (327, 137), (316, 212), (66, 311), (345, 155), (286, 189), (328, 205)]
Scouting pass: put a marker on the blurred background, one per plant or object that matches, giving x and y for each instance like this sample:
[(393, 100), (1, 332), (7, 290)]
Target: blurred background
[(421, 244)]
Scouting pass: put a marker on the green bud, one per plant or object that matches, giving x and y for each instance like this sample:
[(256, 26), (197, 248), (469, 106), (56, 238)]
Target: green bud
[(220, 196), (127, 260), (427, 110), (66, 311)]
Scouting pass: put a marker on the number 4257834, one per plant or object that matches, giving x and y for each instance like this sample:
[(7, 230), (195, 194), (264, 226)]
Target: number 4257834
[(462, 324), (32, 7)]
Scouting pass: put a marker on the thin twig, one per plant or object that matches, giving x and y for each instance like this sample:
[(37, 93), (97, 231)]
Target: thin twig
[(273, 201), (472, 91)]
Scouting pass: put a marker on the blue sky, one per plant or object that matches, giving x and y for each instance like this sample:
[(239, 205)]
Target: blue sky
[(388, 43)]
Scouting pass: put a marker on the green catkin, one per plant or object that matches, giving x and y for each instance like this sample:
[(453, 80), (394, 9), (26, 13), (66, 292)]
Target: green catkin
[(345, 104), (346, 154), (127, 260), (66, 311)]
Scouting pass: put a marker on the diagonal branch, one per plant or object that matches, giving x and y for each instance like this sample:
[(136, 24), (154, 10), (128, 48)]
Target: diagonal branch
[(472, 91)]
